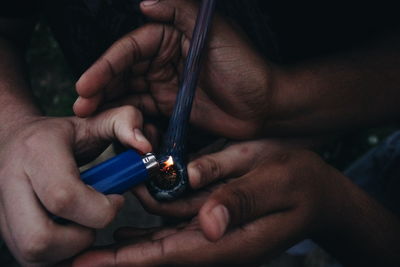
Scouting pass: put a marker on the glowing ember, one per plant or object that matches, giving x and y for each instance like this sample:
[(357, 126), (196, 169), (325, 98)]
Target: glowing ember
[(168, 176)]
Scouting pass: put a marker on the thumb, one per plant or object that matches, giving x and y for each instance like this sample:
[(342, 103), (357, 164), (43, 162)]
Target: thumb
[(181, 13), (233, 161), (124, 123), (242, 200)]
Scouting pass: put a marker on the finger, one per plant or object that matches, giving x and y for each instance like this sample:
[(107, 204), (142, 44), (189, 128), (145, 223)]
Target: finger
[(215, 147), (152, 134), (5, 232), (181, 208), (245, 199), (84, 107), (187, 247), (181, 13), (233, 161), (247, 246), (136, 46), (35, 237), (122, 123), (57, 184), (153, 253), (117, 87)]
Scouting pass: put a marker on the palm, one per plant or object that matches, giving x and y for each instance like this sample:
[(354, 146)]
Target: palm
[(231, 87), (187, 243)]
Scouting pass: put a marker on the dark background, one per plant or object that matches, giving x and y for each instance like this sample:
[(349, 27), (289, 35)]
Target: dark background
[(53, 85)]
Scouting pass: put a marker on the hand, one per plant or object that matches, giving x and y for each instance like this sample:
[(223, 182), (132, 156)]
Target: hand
[(38, 173), (280, 197), (144, 69)]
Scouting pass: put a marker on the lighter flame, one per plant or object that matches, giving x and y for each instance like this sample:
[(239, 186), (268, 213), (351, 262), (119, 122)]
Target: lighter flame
[(169, 162)]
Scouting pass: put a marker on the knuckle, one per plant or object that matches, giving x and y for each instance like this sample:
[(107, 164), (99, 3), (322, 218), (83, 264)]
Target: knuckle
[(109, 213), (34, 136), (34, 139), (297, 173), (211, 170), (128, 113), (244, 151), (131, 44), (242, 204), (34, 247), (59, 199), (106, 220)]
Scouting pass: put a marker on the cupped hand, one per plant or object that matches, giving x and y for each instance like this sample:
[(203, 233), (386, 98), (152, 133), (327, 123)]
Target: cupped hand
[(274, 198), (144, 69), (39, 174)]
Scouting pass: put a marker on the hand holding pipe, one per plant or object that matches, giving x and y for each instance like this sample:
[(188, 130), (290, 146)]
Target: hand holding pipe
[(119, 174), (175, 141)]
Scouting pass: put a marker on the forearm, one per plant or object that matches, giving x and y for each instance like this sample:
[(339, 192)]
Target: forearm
[(16, 98), (346, 91), (361, 232)]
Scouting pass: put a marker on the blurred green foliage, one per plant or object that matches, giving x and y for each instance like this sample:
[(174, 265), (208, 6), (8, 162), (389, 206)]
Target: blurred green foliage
[(52, 80)]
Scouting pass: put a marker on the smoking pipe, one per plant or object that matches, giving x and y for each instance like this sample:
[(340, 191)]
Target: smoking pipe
[(166, 174), (173, 185)]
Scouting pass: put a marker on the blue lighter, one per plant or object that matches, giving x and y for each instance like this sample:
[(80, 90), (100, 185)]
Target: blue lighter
[(120, 173), (126, 170), (167, 178)]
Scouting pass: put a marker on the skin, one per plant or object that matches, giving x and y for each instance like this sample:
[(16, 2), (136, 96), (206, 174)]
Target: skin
[(321, 96), (241, 95), (147, 64), (39, 159), (244, 98), (264, 198), (324, 95)]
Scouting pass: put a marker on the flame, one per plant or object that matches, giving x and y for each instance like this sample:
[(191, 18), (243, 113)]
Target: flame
[(169, 162), (166, 165)]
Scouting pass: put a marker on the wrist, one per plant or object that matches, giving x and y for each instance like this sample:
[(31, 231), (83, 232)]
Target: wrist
[(278, 94), (290, 102), (270, 100)]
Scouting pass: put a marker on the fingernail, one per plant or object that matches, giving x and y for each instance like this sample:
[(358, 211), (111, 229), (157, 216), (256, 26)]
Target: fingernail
[(221, 218), (149, 2), (194, 176), (139, 135)]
